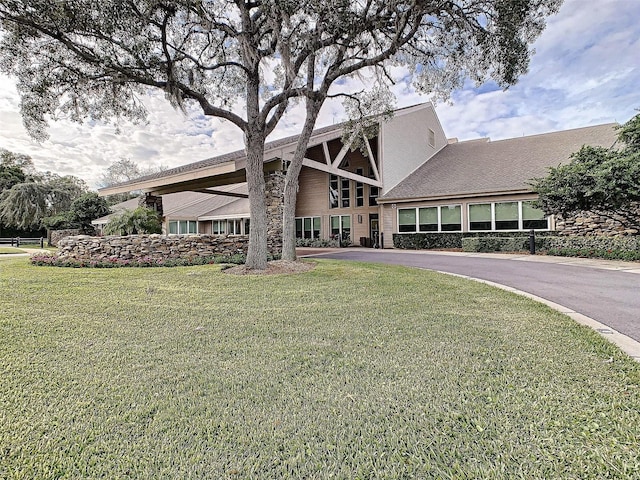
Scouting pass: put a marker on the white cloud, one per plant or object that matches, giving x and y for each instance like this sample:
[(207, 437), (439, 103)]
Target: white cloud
[(586, 71)]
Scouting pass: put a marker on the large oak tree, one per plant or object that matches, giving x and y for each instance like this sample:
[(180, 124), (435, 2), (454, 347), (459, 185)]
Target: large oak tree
[(246, 60)]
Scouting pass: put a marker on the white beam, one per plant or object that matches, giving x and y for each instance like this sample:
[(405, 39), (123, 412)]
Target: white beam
[(344, 150), (307, 162), (372, 160), (325, 149)]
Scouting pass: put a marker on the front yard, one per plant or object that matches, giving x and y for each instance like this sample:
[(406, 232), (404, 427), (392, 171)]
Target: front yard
[(347, 371)]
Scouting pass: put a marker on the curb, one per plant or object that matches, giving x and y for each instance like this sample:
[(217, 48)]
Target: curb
[(627, 344)]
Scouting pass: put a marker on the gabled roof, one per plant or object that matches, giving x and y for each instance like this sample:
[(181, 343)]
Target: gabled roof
[(483, 167)]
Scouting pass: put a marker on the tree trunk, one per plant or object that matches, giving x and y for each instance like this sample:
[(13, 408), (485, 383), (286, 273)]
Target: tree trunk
[(291, 181), (257, 252)]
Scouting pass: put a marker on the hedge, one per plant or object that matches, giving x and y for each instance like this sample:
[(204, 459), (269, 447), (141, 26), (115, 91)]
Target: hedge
[(611, 248), (425, 241)]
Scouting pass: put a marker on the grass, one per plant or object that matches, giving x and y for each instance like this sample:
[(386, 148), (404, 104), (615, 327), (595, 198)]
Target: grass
[(349, 371), (8, 250)]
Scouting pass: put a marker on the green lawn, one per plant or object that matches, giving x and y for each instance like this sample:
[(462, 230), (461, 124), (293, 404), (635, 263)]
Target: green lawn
[(350, 371), (6, 250)]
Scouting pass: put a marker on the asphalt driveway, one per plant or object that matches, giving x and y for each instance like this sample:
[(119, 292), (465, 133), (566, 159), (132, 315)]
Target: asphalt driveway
[(605, 291)]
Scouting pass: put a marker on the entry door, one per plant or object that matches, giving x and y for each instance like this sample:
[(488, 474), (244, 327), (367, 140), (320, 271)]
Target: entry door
[(374, 229)]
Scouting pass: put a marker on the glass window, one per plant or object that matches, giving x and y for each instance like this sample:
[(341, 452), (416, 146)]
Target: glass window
[(407, 220), (450, 218), (345, 194), (182, 227), (307, 228), (373, 196), (506, 216), (341, 227), (334, 195), (335, 226), (218, 227), (359, 189), (428, 219), (480, 216), (533, 217), (316, 227), (193, 227), (298, 228), (346, 227), (173, 228)]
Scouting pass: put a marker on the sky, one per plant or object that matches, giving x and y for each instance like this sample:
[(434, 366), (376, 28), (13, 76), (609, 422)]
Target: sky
[(585, 71)]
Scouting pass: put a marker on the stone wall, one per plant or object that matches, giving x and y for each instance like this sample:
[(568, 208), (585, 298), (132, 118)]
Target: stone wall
[(589, 224), (274, 193), (156, 247), (56, 235)]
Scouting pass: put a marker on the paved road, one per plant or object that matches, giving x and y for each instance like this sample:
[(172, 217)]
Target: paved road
[(609, 296)]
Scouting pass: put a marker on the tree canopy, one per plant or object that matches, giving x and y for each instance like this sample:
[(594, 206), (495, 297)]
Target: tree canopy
[(246, 61), (28, 196), (597, 179)]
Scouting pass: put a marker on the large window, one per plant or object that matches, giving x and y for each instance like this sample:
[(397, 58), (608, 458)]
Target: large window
[(480, 216), (218, 227), (345, 194), (341, 227), (334, 193), (359, 189), (308, 227), (533, 217), (183, 227), (520, 215), (442, 218)]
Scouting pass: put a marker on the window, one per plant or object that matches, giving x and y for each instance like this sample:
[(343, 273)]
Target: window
[(234, 227), (480, 216), (444, 218), (406, 220), (428, 219), (451, 218), (218, 227), (345, 194), (359, 189), (533, 217), (182, 227), (373, 191), (432, 138), (507, 216), (517, 215), (308, 227), (341, 227), (334, 195)]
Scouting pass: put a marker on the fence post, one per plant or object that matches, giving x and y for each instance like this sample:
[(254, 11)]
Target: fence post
[(41, 242), (17, 241), (381, 239)]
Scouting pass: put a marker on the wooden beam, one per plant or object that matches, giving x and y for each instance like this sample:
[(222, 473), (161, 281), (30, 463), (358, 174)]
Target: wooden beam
[(345, 149), (372, 160), (221, 192), (307, 162), (325, 149)]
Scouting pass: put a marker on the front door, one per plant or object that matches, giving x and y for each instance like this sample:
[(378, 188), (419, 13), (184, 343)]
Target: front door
[(374, 229)]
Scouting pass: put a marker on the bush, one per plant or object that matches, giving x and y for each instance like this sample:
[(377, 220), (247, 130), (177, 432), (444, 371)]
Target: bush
[(420, 241), (610, 248), (139, 221), (501, 244), (317, 243), (44, 259)]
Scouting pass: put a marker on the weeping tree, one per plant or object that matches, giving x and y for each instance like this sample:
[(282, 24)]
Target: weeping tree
[(246, 61)]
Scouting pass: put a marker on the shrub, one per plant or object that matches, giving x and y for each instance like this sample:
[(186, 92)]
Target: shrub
[(317, 243), (139, 221), (418, 241), (610, 248), (45, 259)]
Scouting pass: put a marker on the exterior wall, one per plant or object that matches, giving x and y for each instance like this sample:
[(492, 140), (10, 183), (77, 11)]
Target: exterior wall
[(313, 200), (404, 143), (390, 224), (155, 247)]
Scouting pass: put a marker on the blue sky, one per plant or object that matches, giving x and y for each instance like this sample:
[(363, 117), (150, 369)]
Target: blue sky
[(586, 71)]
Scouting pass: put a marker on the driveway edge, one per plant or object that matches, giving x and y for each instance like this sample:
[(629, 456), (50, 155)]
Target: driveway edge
[(627, 344)]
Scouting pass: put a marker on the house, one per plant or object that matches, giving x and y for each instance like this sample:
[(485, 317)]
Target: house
[(408, 178)]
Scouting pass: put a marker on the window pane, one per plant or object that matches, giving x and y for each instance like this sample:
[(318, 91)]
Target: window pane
[(307, 227), (193, 227), (346, 221), (407, 220), (173, 228), (533, 217), (298, 228), (506, 216), (428, 219), (333, 191), (480, 217), (316, 227), (451, 218), (183, 227), (345, 192)]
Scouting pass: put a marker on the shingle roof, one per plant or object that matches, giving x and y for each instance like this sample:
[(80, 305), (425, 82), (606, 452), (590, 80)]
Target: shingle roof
[(483, 167), (201, 203)]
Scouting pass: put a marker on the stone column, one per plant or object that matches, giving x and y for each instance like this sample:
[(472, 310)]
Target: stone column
[(154, 202), (274, 187)]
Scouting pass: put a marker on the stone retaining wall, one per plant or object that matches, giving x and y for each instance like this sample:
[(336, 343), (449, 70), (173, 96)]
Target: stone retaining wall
[(589, 224), (56, 235), (156, 247)]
